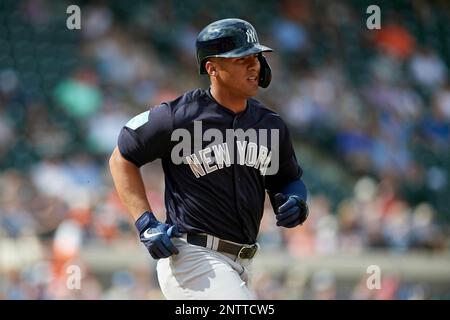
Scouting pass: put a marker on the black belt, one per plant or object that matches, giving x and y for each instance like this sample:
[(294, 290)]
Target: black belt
[(243, 252)]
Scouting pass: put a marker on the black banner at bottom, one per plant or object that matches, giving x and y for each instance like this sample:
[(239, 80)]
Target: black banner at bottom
[(180, 310)]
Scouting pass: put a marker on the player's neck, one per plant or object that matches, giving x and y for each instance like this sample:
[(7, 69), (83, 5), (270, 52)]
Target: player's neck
[(229, 101)]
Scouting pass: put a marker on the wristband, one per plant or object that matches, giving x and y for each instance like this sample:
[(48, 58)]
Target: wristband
[(146, 219)]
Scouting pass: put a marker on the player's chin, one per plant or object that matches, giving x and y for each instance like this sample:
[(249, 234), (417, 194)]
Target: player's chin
[(251, 88), (253, 92)]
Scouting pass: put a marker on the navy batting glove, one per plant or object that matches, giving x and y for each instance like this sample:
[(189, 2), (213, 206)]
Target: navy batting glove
[(291, 211), (156, 236)]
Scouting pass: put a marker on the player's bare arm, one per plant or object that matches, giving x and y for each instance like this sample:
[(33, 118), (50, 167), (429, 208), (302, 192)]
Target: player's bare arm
[(130, 187), (129, 184)]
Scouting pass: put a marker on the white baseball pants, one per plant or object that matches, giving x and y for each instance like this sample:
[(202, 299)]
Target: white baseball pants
[(199, 273)]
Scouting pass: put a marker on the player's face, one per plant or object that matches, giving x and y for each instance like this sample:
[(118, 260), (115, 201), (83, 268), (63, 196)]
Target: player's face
[(239, 75)]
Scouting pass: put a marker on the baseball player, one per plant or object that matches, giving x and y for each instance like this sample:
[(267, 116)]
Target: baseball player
[(221, 151)]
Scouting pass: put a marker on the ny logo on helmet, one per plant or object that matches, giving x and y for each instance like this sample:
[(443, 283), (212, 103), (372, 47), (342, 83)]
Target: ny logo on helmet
[(251, 36)]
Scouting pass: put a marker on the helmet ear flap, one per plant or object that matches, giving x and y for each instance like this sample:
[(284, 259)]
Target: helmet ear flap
[(265, 74)]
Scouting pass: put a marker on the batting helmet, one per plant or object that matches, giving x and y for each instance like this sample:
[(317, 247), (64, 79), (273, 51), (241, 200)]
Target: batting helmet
[(232, 38)]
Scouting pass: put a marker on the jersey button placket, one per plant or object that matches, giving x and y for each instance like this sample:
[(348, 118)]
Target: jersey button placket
[(236, 177)]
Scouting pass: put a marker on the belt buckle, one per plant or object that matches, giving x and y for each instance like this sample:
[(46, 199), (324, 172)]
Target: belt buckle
[(248, 252)]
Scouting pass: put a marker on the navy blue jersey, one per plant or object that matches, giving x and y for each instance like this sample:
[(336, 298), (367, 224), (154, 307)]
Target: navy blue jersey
[(217, 164)]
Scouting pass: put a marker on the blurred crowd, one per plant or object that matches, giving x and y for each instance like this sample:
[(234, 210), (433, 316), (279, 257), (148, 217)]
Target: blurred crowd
[(374, 102)]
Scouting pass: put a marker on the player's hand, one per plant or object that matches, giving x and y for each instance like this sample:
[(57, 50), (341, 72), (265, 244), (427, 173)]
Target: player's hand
[(156, 236), (291, 210)]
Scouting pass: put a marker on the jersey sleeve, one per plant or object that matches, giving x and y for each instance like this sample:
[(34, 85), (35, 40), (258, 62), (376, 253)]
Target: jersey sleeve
[(146, 137), (289, 169)]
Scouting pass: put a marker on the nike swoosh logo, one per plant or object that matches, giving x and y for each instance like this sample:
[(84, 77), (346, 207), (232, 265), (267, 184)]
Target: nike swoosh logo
[(148, 235)]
